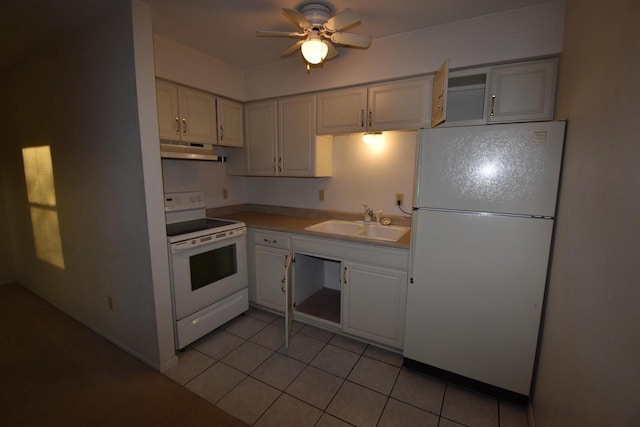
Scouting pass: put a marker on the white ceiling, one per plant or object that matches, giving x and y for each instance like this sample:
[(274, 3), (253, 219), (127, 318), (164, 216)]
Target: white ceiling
[(225, 29)]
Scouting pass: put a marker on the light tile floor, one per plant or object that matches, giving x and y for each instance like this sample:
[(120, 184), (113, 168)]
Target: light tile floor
[(324, 380)]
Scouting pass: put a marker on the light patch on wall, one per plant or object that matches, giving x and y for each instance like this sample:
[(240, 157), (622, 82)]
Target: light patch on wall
[(38, 172), (375, 141)]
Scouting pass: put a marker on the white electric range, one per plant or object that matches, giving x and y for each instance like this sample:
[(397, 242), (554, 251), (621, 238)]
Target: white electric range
[(208, 264)]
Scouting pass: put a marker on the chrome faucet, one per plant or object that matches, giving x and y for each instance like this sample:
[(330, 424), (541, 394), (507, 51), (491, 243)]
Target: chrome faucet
[(368, 213), (378, 213)]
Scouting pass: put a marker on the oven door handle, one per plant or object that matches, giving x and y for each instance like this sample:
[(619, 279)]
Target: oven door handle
[(210, 240)]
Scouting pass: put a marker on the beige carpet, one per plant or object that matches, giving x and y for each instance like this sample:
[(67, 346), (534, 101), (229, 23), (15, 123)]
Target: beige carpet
[(56, 372)]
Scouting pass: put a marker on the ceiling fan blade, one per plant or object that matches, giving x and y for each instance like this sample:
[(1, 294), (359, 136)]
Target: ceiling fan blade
[(269, 33), (296, 17), (342, 20), (351, 39), (332, 53), (292, 49)]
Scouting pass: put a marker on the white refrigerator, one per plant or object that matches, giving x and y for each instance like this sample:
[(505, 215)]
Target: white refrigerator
[(484, 206)]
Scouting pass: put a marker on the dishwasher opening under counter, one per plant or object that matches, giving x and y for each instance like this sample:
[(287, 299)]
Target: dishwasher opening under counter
[(317, 287)]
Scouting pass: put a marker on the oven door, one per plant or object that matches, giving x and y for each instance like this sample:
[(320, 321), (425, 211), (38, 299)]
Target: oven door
[(205, 274)]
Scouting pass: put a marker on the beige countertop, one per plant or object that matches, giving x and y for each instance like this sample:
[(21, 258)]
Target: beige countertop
[(297, 223)]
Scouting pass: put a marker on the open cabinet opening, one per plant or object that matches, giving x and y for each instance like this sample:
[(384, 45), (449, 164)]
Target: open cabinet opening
[(317, 287)]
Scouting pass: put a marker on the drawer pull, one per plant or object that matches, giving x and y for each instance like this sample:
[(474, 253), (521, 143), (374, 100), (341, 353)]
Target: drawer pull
[(270, 241)]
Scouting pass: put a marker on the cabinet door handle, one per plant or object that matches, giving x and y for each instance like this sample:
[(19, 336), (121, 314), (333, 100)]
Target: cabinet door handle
[(177, 126), (370, 117), (493, 105), (274, 164), (362, 118), (184, 122), (221, 132), (344, 276), (283, 282), (279, 164)]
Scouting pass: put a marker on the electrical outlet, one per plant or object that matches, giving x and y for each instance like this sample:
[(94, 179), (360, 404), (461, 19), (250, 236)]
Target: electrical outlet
[(321, 195), (399, 199), (225, 193), (110, 300)]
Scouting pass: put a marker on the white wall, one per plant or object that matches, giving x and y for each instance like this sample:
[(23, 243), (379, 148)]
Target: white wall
[(208, 177), (182, 64), (152, 172), (506, 36), (361, 174), (79, 97), (588, 372)]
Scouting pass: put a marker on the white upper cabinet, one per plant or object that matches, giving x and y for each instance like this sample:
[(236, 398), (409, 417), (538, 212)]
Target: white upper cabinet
[(439, 96), (185, 114), (197, 119), (342, 111), (399, 105), (197, 116), (261, 138), (230, 123), (523, 92), (510, 93), (281, 141), (168, 113), (388, 106)]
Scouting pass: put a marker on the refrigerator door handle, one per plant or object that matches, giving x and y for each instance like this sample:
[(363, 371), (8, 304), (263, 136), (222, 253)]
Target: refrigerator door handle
[(458, 211)]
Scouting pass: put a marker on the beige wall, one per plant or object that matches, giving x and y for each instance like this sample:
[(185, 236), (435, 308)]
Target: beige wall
[(79, 97), (589, 366)]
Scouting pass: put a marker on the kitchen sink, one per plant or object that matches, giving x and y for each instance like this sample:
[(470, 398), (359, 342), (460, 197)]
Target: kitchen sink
[(375, 231)]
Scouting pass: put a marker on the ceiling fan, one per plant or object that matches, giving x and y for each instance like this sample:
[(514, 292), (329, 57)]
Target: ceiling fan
[(320, 30)]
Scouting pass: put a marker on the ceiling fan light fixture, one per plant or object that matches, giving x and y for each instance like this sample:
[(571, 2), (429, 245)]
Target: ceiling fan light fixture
[(314, 50)]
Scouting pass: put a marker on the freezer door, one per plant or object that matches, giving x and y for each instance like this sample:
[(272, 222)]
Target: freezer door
[(474, 304), (511, 168)]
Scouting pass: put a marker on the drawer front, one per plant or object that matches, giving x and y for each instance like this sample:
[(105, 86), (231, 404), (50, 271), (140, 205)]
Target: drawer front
[(348, 251), (271, 239)]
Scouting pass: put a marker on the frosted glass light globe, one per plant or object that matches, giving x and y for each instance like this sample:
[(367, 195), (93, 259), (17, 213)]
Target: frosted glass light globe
[(314, 50)]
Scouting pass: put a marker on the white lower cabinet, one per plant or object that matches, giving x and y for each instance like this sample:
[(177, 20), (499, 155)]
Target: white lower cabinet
[(374, 303), (270, 256), (359, 289)]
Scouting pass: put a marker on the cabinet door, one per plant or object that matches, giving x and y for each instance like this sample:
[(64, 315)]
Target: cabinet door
[(523, 92), (399, 105), (374, 302), (261, 138), (168, 114), (197, 116), (342, 111), (270, 266), (439, 95), (230, 123), (296, 136)]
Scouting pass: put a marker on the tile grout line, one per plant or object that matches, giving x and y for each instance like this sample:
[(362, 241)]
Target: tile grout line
[(307, 364)]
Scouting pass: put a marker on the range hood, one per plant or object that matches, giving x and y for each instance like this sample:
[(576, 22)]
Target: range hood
[(188, 151)]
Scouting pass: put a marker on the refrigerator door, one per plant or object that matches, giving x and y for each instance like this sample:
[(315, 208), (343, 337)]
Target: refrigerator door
[(474, 303), (511, 168)]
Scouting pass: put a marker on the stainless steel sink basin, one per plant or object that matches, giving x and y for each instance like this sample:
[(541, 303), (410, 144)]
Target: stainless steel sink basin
[(388, 233)]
